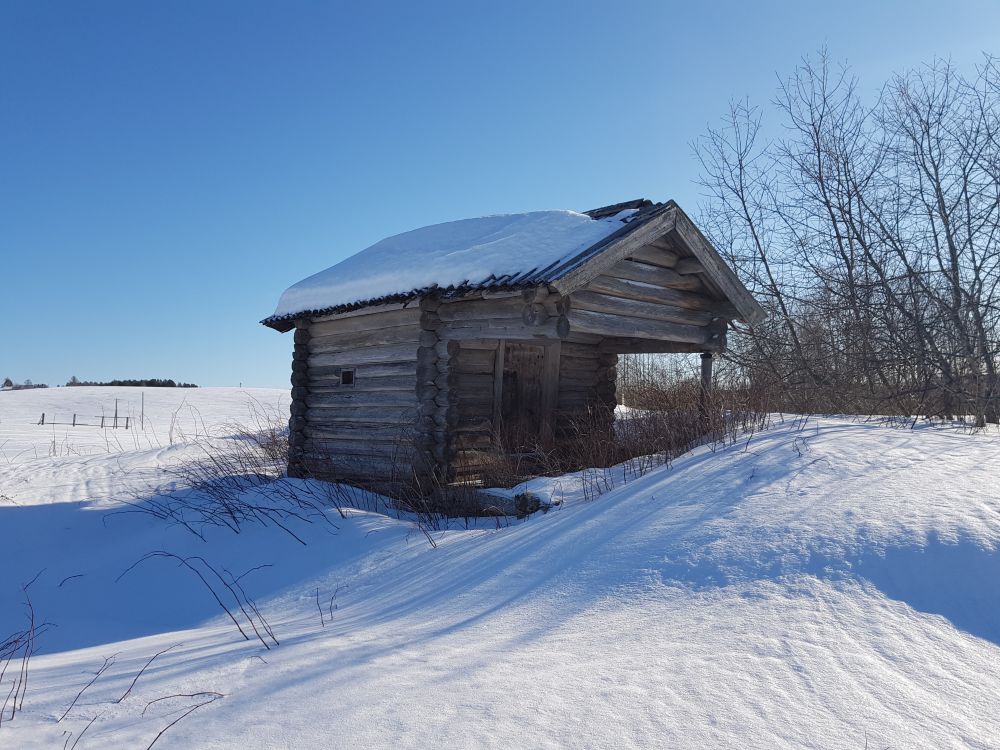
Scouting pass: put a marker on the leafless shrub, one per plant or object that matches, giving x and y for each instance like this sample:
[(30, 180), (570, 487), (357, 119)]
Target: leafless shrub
[(233, 482), (108, 661), (209, 697), (144, 668), (227, 587), (16, 651)]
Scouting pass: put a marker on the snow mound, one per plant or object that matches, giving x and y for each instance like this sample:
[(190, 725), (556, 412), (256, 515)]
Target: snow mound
[(457, 253), (832, 585)]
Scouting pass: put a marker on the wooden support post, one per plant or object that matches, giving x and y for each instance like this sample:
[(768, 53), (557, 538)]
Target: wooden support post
[(706, 386)]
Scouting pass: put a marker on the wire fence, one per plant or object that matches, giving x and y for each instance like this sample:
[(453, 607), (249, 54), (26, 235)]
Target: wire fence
[(104, 421)]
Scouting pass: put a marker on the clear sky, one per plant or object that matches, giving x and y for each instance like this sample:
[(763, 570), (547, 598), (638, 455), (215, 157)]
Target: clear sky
[(167, 169)]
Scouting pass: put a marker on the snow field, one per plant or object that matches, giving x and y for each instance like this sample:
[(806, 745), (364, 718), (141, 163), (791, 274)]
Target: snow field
[(823, 586)]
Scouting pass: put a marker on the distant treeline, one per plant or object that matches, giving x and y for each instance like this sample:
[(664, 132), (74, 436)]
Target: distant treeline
[(140, 383), (10, 385)]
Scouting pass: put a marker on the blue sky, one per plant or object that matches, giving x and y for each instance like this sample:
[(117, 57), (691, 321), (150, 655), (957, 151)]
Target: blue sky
[(167, 169)]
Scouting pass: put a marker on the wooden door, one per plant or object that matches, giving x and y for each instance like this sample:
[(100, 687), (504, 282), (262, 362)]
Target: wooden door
[(522, 396)]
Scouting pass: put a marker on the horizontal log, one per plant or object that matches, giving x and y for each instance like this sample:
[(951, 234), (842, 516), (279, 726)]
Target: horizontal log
[(366, 383), (650, 274), (575, 337), (570, 379), (644, 346), (479, 344), (475, 354), (656, 255), (650, 293), (350, 340), (501, 329), (689, 266), (473, 423), (361, 320), (475, 367), (478, 383), (335, 446), (346, 398), (365, 471), (629, 327), (377, 434), (606, 303), (364, 356), (482, 309), (573, 349), (374, 370)]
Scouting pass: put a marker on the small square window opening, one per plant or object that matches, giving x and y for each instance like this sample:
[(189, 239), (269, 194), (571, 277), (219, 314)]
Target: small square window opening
[(347, 377)]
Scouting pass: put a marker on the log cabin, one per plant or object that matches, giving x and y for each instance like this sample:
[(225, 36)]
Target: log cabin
[(429, 350)]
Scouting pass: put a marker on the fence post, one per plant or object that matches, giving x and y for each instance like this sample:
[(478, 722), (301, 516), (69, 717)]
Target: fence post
[(74, 420)]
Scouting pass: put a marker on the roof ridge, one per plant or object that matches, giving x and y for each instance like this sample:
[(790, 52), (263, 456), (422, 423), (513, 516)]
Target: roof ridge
[(605, 211)]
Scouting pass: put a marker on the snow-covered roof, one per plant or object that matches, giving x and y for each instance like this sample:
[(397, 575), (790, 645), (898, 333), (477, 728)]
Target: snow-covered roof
[(505, 251)]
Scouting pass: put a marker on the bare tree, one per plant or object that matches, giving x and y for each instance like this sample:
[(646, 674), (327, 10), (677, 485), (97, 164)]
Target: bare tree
[(870, 233)]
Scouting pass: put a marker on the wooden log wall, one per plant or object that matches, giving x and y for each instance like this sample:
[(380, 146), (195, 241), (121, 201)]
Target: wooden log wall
[(587, 378), (432, 427), (298, 408), (366, 429)]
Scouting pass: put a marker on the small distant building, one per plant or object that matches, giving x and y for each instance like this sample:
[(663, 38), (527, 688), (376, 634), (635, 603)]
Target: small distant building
[(432, 349)]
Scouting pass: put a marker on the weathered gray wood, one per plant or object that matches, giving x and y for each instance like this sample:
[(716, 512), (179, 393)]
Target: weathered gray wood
[(497, 398), (363, 431), (365, 356), (598, 302), (706, 371), (350, 340), (640, 346), (364, 321), (687, 234), (649, 274), (649, 293), (655, 255), (481, 344), (577, 349), (550, 391), (628, 327), (350, 397), (614, 252), (468, 382), (320, 375), (481, 309), (367, 383), (534, 314), (318, 415), (298, 409), (689, 265), (576, 337), (499, 329), (385, 449)]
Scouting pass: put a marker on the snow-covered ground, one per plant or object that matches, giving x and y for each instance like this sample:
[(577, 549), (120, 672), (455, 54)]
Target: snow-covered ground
[(835, 585)]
